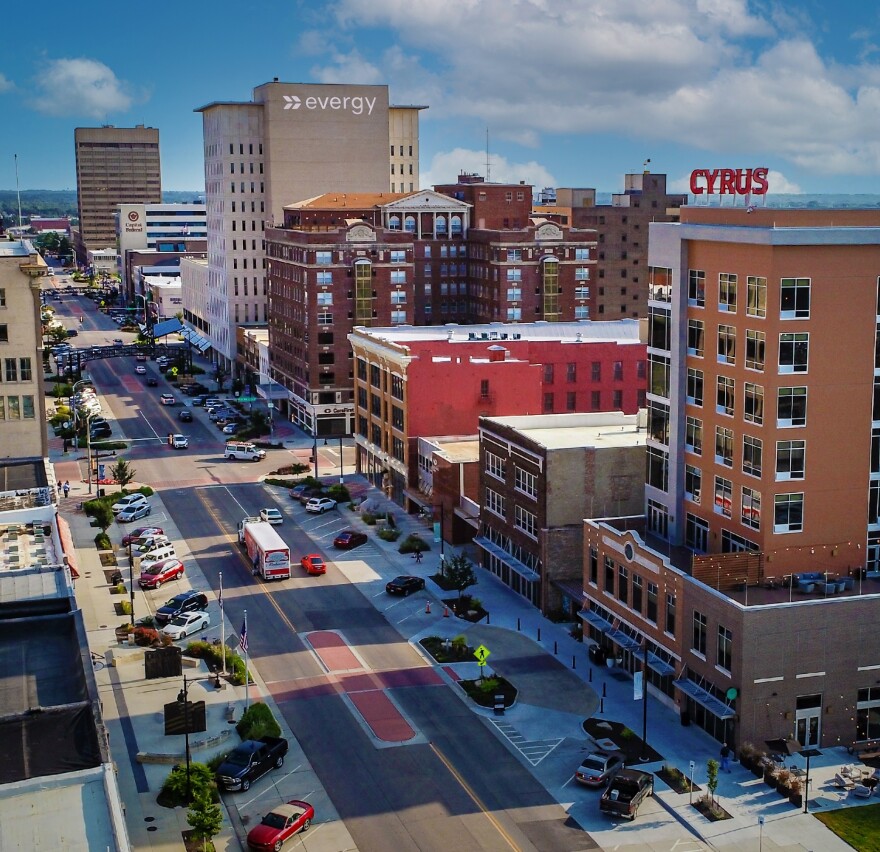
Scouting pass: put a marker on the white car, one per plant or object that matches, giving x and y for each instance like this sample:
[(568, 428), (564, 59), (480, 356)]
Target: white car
[(134, 513), (167, 399), (128, 502), (271, 516), (183, 625), (180, 442), (319, 505), (140, 370)]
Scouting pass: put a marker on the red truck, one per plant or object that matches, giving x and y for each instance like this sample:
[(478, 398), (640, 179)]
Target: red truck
[(267, 551)]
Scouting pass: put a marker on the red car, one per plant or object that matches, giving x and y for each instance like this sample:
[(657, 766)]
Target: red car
[(281, 823), (313, 564), (161, 572), (348, 539), (129, 538)]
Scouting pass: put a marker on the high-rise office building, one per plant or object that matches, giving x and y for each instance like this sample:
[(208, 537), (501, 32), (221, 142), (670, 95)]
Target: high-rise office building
[(289, 143), (114, 165)]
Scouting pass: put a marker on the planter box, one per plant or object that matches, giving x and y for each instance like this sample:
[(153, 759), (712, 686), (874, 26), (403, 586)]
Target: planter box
[(797, 799)]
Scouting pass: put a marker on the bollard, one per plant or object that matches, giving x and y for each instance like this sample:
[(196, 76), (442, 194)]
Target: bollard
[(604, 693), (590, 676), (601, 705), (573, 661), (555, 650), (517, 625), (539, 634), (428, 607), (487, 618), (446, 612)]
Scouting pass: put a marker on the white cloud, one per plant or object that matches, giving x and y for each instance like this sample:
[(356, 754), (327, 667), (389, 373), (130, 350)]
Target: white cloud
[(446, 166), (80, 87), (724, 76), (5, 83)]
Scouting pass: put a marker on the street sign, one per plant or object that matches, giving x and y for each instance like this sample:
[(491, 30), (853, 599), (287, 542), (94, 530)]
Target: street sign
[(247, 399), (482, 653)]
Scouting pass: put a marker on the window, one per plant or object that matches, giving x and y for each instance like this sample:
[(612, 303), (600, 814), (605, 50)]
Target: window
[(794, 302), (725, 648), (651, 614), (756, 296), (658, 383), (725, 398), (323, 257), (727, 292), (670, 614), (24, 371), (638, 589), (726, 344), (751, 508), (514, 294), (724, 446), (398, 256), (790, 460), (868, 713), (755, 342), (658, 421), (398, 297), (13, 408), (695, 386), (496, 466), (791, 407), (525, 481), (548, 403), (324, 299), (514, 255), (596, 371), (618, 371), (398, 276), (594, 566), (753, 449), (723, 496), (693, 483), (4, 333), (698, 640), (27, 408), (514, 314), (595, 400), (693, 438), (794, 352), (525, 521), (788, 513), (658, 469), (11, 370), (623, 584), (548, 374), (495, 503), (696, 335), (697, 288), (2, 297), (609, 575), (571, 372), (581, 254), (753, 403), (484, 388)]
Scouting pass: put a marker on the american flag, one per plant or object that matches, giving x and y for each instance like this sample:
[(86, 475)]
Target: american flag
[(220, 597), (242, 642)]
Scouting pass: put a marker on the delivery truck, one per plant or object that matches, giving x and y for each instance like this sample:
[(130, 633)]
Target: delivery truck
[(267, 551)]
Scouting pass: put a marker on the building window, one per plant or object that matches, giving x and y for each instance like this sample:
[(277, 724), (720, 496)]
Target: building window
[(581, 273), (594, 566), (596, 371), (693, 438), (693, 483), (617, 400), (525, 482), (794, 352), (756, 296), (751, 508), (794, 300), (324, 299), (496, 466), (4, 333), (695, 386), (727, 292), (27, 408), (726, 396), (651, 613), (790, 463), (670, 614), (724, 446), (25, 370), (571, 372), (495, 503), (11, 370), (571, 401), (324, 278), (618, 371), (725, 648), (788, 513), (696, 533), (753, 403), (548, 403), (609, 575), (514, 255), (595, 400), (755, 344), (791, 407), (2, 297), (623, 584), (323, 257), (752, 453), (658, 469), (726, 344), (548, 374), (723, 496), (698, 640), (696, 338), (868, 713), (525, 521), (638, 589), (697, 288)]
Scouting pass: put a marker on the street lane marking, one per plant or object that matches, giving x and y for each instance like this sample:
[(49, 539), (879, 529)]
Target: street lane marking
[(534, 751)]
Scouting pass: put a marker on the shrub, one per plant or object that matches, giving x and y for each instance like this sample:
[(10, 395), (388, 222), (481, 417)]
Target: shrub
[(389, 534), (146, 636), (213, 655), (102, 541), (368, 518), (339, 493), (413, 544), (120, 588), (281, 483), (256, 722), (125, 606), (201, 781)]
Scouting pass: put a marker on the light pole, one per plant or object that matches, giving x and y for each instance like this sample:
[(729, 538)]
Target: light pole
[(183, 696), (89, 447), (73, 394), (315, 452), (341, 474)]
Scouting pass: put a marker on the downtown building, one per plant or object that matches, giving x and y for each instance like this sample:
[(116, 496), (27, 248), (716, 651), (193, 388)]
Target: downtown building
[(114, 165), (751, 584), (289, 143)]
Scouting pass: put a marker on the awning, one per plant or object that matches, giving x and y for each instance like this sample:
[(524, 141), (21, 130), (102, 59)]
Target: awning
[(67, 546), (710, 702), (272, 390), (166, 327), (196, 339), (510, 561), (596, 620), (655, 663), (624, 640)]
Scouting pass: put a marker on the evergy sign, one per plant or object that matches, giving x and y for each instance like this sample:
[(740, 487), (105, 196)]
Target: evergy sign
[(729, 181), (356, 105)]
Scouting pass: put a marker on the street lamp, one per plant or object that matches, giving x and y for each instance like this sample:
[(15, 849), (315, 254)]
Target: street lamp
[(73, 394), (89, 446), (341, 474)]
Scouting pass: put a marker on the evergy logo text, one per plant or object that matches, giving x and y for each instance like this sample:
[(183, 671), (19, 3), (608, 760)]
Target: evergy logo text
[(357, 105)]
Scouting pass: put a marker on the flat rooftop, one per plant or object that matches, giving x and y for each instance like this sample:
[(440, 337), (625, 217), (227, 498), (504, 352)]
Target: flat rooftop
[(570, 431)]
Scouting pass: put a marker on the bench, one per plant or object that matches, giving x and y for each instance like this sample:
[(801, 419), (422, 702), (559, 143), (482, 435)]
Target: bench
[(230, 712), (867, 750)]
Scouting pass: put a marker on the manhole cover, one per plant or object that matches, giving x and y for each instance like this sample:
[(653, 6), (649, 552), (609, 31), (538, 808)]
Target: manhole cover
[(152, 828), (149, 819), (101, 626)]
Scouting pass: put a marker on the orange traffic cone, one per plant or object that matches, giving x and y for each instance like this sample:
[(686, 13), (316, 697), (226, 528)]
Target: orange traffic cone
[(428, 607), (446, 612)]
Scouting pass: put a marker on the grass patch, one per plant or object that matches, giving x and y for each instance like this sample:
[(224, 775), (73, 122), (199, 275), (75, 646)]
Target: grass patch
[(675, 779), (860, 827)]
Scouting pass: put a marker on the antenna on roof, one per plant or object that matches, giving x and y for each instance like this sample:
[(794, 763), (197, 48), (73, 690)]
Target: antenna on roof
[(18, 194), (488, 168), (645, 165)]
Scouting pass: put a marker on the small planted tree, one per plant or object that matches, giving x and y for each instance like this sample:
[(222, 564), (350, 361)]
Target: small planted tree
[(204, 817), (122, 472), (712, 782), (460, 573)]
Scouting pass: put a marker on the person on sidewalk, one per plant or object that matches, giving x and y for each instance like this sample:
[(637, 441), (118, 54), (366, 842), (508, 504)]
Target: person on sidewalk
[(725, 758), (418, 556), (66, 487)]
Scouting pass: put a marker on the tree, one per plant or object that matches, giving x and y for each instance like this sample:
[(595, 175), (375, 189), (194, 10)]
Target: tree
[(459, 572), (712, 783), (122, 472), (204, 816)]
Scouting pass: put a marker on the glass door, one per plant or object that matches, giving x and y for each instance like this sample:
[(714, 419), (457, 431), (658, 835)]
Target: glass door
[(808, 720)]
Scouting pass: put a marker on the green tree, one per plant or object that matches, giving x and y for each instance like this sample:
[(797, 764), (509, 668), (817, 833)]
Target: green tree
[(122, 472), (459, 571), (712, 782), (204, 817)]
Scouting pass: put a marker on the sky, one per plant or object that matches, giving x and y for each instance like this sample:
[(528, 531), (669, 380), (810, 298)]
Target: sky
[(573, 93)]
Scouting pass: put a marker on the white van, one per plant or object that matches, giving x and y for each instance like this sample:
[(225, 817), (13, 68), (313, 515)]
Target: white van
[(244, 450), (157, 554)]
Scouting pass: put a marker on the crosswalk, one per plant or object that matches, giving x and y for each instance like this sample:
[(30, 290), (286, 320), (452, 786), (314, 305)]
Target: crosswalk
[(534, 751)]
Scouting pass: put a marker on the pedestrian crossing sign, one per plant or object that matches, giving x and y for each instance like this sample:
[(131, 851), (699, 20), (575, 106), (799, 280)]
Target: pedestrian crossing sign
[(482, 653)]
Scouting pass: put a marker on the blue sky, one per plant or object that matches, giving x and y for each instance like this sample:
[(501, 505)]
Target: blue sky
[(571, 92)]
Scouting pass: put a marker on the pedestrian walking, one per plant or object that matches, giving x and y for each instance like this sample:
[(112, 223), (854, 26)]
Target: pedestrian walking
[(66, 487), (725, 758), (418, 556)]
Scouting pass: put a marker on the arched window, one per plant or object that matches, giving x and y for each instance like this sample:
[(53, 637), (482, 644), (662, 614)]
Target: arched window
[(394, 222), (440, 224), (409, 224), (455, 225)]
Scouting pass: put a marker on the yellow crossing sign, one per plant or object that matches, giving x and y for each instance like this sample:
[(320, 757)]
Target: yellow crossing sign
[(482, 654)]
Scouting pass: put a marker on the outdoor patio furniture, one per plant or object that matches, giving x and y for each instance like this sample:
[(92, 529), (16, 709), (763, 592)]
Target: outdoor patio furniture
[(806, 588), (843, 781), (860, 791), (830, 588)]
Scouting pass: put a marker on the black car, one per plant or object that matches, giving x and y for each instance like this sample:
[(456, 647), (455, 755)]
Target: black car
[(184, 602), (152, 381), (200, 399), (100, 432), (404, 585), (185, 415)]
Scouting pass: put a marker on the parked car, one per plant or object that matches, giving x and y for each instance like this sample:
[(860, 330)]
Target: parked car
[(146, 543), (348, 539), (296, 491), (140, 369), (167, 399), (199, 400), (118, 341), (184, 415), (309, 493), (313, 564), (134, 513), (230, 428), (319, 505), (404, 585), (182, 625), (136, 533), (598, 768), (190, 601), (280, 824), (128, 501), (98, 432), (161, 572), (250, 760), (271, 516), (626, 792)]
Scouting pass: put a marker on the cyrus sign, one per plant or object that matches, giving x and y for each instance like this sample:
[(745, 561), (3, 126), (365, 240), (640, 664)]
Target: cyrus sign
[(729, 181)]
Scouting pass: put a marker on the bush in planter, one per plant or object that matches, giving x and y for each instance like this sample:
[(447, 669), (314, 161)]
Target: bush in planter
[(796, 791), (257, 721), (413, 544), (783, 781), (748, 754), (102, 541), (389, 534), (146, 637), (368, 518)]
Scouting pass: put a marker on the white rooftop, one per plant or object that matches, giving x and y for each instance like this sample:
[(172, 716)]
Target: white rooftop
[(567, 431)]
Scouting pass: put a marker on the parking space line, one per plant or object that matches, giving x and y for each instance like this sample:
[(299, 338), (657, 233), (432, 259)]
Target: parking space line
[(534, 751)]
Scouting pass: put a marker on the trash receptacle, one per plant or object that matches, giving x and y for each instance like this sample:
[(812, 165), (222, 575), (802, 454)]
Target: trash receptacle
[(100, 492), (597, 655)]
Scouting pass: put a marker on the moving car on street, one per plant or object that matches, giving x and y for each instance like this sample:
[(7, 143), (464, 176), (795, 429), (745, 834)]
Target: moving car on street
[(167, 399), (271, 516), (313, 564), (141, 370), (184, 415)]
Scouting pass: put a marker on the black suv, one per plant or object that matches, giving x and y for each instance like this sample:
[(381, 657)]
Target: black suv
[(184, 602)]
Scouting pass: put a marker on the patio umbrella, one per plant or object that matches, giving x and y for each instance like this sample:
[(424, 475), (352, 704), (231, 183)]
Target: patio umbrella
[(788, 746)]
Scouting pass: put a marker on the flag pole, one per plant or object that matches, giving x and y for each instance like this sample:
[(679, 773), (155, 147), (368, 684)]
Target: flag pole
[(222, 629), (247, 679)]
